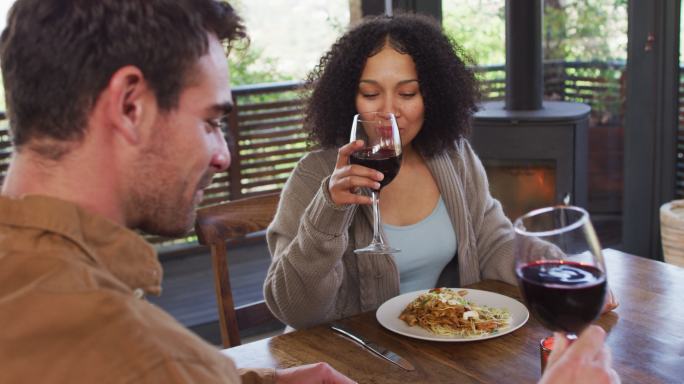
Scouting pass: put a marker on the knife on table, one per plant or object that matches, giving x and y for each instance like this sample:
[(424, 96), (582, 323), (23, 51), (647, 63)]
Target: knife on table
[(378, 350)]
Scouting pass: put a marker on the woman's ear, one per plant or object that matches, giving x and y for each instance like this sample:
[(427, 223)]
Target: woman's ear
[(128, 102)]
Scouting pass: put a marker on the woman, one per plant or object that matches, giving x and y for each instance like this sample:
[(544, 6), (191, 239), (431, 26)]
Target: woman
[(437, 210)]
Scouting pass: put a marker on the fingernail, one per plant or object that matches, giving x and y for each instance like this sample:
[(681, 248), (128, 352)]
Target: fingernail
[(380, 176), (376, 186)]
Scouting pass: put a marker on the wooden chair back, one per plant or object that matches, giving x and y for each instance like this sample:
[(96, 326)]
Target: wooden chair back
[(215, 226)]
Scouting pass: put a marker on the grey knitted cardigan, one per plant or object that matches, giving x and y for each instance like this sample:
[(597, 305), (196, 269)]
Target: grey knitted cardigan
[(315, 277)]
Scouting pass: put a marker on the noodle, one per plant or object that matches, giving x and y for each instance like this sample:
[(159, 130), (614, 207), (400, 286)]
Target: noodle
[(444, 311)]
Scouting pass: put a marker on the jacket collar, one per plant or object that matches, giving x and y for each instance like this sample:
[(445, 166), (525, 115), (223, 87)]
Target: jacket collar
[(120, 251)]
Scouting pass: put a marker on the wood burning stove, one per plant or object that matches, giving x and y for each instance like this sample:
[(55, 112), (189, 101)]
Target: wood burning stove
[(534, 151)]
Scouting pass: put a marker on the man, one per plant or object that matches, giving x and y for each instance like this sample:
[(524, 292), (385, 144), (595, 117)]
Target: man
[(116, 108)]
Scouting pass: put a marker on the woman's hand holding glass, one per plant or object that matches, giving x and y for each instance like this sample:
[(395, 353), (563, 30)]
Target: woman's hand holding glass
[(347, 178)]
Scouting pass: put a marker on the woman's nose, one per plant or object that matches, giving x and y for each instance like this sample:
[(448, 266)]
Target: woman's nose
[(391, 106), (394, 111)]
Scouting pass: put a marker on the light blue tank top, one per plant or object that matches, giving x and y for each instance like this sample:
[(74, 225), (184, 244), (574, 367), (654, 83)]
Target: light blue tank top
[(426, 248)]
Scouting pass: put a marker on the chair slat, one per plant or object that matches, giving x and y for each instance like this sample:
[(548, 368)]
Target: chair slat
[(215, 226)]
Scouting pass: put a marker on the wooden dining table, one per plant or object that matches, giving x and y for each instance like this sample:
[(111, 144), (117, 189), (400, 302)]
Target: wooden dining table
[(645, 335)]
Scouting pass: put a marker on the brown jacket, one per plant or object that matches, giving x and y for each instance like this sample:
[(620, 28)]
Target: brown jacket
[(72, 308)]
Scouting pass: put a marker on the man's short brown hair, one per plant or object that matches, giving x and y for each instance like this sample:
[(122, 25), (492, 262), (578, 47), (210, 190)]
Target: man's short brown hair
[(58, 55)]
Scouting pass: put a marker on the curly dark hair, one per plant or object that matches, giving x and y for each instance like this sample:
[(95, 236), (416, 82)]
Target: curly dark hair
[(58, 55), (449, 89)]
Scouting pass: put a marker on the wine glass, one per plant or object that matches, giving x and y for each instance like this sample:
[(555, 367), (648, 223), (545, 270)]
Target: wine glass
[(560, 268), (382, 152)]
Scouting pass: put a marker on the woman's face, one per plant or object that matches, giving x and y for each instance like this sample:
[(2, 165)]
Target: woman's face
[(389, 83)]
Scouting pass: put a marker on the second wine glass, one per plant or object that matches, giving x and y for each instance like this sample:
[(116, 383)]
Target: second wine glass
[(560, 267), (382, 152)]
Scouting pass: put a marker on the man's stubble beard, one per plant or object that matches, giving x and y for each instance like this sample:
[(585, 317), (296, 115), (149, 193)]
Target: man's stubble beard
[(162, 209), (169, 211), (158, 202)]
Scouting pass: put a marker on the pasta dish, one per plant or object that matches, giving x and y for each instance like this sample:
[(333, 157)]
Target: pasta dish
[(444, 311)]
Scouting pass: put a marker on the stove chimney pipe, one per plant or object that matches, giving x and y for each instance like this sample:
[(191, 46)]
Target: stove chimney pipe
[(524, 70)]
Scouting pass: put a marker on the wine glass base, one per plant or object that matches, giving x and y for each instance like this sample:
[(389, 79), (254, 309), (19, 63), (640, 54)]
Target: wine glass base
[(376, 248)]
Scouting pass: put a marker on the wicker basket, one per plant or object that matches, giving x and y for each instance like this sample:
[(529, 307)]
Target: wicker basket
[(672, 231)]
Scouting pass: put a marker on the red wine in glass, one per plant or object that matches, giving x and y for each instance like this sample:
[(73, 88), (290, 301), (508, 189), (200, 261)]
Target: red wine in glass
[(384, 160), (563, 296), (560, 267)]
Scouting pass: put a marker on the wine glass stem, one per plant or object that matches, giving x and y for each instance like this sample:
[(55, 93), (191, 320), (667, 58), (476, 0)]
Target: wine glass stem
[(377, 238)]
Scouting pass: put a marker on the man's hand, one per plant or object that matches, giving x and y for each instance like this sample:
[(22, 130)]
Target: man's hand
[(586, 361), (319, 373)]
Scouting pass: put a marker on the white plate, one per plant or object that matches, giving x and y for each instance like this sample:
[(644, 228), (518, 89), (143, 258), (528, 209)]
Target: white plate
[(389, 311)]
